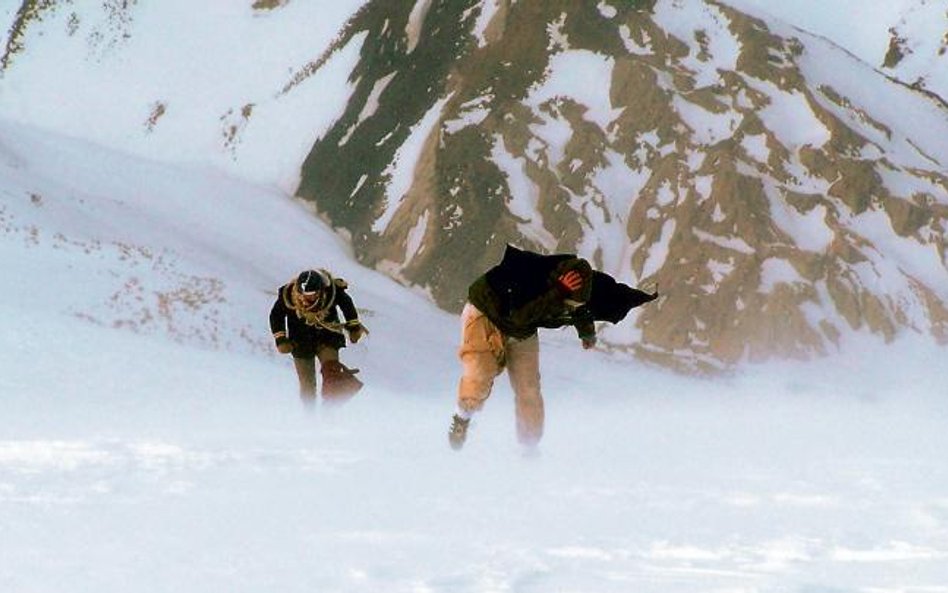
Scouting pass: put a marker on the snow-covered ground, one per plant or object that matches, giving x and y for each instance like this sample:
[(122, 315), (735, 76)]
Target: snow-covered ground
[(860, 27), (151, 440)]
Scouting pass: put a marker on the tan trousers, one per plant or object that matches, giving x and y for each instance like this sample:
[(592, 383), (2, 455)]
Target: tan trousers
[(485, 352), (306, 371)]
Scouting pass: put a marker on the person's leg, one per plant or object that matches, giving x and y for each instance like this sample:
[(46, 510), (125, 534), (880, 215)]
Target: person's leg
[(482, 359), (306, 372), (326, 354), (523, 368)]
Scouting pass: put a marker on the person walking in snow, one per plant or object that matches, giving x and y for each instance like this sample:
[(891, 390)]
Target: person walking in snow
[(305, 322), (505, 308)]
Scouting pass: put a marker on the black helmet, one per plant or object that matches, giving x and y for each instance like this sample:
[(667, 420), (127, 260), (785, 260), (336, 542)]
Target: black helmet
[(313, 281)]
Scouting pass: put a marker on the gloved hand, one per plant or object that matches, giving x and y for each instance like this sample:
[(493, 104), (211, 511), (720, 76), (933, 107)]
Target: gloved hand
[(570, 282), (284, 346), (589, 342), (652, 297), (356, 331)]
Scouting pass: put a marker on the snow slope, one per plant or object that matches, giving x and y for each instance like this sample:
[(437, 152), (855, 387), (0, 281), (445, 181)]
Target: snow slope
[(865, 30), (100, 71), (152, 441), (859, 27)]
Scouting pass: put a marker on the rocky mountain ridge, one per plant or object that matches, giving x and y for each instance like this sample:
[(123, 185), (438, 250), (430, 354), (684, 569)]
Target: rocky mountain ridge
[(710, 163)]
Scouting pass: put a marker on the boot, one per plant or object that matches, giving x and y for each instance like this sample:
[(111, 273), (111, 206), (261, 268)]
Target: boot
[(458, 432), (339, 381)]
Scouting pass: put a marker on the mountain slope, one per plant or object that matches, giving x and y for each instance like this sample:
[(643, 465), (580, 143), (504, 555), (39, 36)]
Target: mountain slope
[(771, 185), (917, 52), (784, 196), (208, 88)]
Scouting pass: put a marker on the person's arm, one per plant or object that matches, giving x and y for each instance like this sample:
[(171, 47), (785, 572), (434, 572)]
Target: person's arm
[(279, 325), (552, 299), (585, 326), (536, 310), (345, 304), (353, 325)]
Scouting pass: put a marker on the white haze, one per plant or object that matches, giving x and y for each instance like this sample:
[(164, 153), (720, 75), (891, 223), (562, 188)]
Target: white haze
[(151, 439)]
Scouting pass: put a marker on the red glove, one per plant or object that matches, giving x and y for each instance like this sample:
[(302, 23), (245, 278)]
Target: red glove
[(570, 281)]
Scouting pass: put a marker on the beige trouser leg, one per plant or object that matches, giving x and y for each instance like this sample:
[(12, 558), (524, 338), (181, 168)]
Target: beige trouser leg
[(523, 368), (482, 358), (484, 353)]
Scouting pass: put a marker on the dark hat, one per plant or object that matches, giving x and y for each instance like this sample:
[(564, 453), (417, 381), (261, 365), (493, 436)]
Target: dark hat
[(312, 281)]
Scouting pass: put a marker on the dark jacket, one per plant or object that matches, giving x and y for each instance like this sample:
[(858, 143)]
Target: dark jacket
[(612, 300), (521, 294), (289, 323)]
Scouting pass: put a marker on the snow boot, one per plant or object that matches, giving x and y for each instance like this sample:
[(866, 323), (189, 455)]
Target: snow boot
[(339, 381), (458, 432)]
